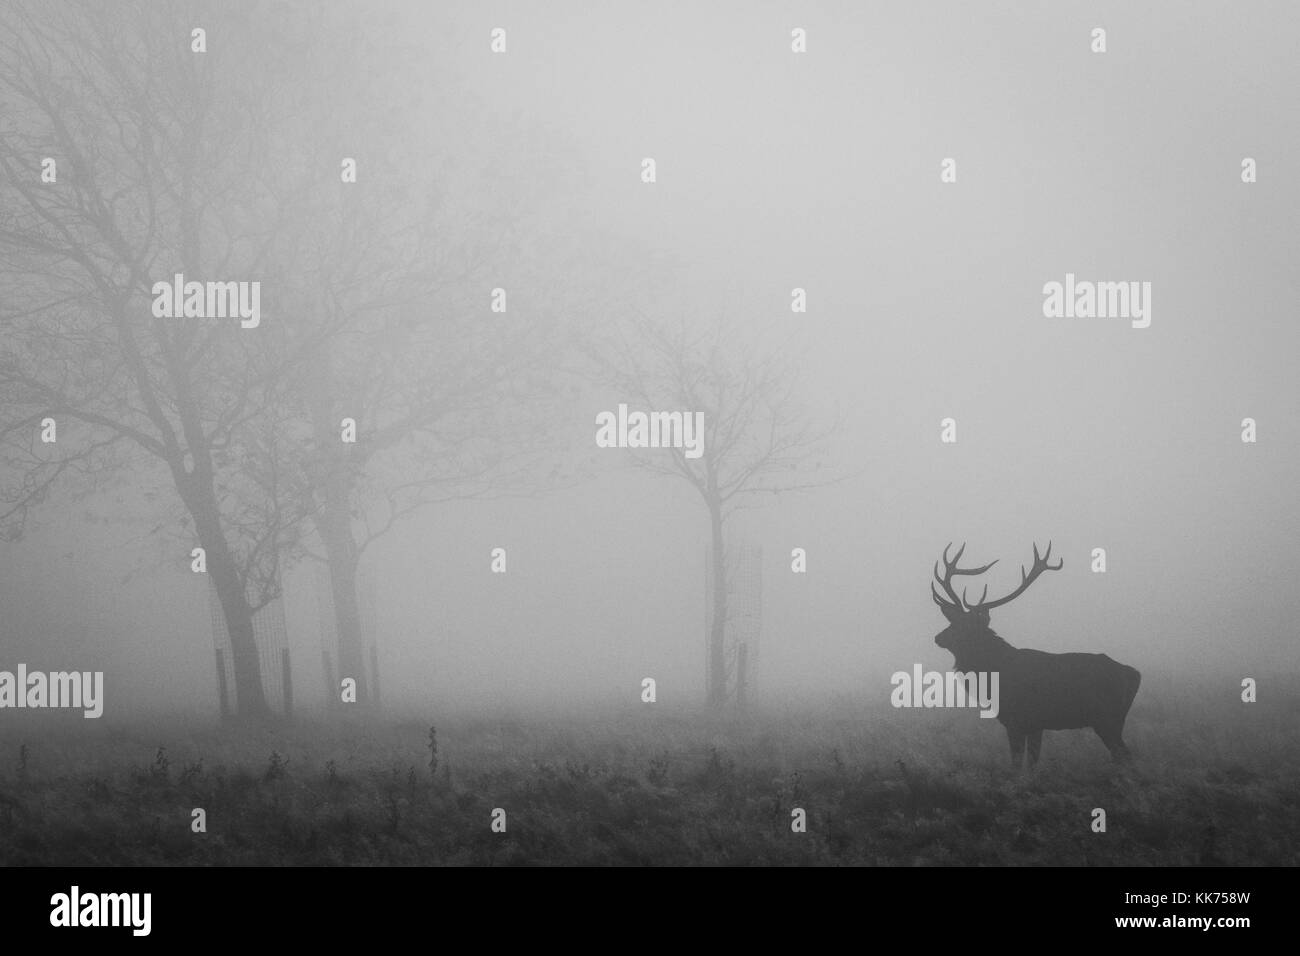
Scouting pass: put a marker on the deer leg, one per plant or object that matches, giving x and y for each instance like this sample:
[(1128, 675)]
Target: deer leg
[(1017, 740), (1113, 738), (1035, 745)]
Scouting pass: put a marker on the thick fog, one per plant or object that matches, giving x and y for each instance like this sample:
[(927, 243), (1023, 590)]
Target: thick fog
[(774, 171)]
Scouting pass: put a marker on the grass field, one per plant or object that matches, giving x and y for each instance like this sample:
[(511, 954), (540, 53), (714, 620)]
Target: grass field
[(1211, 784)]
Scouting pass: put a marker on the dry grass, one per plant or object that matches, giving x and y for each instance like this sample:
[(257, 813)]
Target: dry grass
[(1217, 785)]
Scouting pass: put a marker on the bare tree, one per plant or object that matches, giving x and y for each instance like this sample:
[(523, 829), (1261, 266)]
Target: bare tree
[(448, 403), (211, 165), (160, 170), (450, 400), (758, 438)]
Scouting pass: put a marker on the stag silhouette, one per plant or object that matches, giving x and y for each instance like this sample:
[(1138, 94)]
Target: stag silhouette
[(1039, 691)]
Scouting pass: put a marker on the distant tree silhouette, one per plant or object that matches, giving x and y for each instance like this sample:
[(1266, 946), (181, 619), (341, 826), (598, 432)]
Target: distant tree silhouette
[(163, 168), (759, 439)]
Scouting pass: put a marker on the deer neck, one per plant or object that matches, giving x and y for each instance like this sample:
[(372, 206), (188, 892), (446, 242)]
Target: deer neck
[(991, 654)]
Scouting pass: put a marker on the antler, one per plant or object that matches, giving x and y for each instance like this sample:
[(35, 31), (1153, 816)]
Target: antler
[(1026, 579), (950, 570)]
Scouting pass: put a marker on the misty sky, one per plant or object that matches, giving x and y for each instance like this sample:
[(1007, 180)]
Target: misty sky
[(821, 171)]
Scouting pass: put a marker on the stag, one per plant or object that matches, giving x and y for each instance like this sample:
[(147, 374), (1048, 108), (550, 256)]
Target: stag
[(1039, 691)]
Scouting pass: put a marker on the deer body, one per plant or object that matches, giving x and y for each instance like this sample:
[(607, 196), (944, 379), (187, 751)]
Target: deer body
[(1039, 691)]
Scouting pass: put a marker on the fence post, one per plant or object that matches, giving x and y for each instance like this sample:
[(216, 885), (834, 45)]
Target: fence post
[(221, 685), (287, 676), (742, 675), (331, 688)]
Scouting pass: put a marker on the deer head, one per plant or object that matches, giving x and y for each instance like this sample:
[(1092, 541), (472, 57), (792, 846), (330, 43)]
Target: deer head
[(968, 635)]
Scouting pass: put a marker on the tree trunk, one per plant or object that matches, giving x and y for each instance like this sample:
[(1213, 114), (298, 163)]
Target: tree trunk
[(334, 524), (249, 695), (335, 527), (717, 696)]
